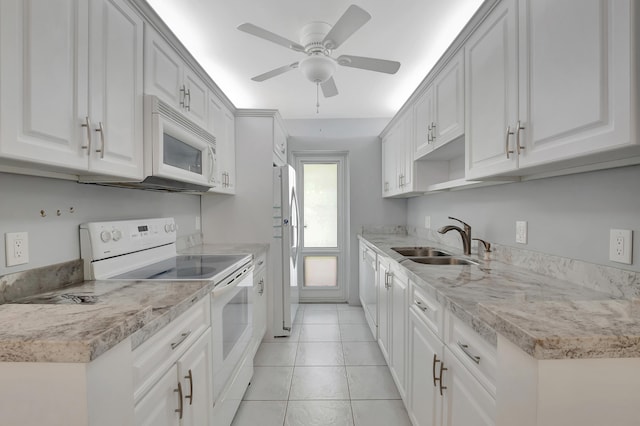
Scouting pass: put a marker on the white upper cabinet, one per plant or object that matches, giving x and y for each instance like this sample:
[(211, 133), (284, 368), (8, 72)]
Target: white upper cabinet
[(168, 77), (222, 126), (491, 85), (67, 105), (548, 82), (576, 78), (279, 144), (439, 112), (115, 89)]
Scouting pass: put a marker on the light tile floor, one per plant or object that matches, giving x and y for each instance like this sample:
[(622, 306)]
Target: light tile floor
[(330, 371)]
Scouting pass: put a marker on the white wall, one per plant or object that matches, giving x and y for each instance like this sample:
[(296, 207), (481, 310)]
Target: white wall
[(54, 239), (567, 216), (367, 205)]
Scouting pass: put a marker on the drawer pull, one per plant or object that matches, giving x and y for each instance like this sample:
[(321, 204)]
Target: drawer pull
[(180, 408), (435, 361), (181, 339), (260, 262), (420, 305), (465, 349)]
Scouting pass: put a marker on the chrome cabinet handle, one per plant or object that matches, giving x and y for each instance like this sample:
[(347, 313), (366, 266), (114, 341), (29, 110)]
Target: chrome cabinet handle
[(429, 138), (181, 339), (388, 277), (101, 130), (519, 128), (180, 408), (261, 284), (87, 125), (433, 134), (190, 396), (506, 141), (420, 305), (260, 263), (442, 370), (465, 349), (188, 95), (438, 380)]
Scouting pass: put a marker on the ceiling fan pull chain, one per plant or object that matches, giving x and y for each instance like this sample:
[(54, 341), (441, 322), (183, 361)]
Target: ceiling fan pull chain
[(317, 97)]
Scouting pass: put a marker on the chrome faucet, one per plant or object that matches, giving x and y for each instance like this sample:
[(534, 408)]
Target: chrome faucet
[(465, 234)]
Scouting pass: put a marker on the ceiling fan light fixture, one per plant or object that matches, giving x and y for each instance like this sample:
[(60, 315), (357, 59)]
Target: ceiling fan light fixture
[(317, 68)]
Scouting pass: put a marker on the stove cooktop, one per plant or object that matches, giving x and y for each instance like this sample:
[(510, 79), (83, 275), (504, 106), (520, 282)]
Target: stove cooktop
[(186, 267)]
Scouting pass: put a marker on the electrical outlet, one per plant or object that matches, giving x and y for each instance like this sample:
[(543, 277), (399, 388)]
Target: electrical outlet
[(16, 248), (620, 245), (427, 222), (521, 232)]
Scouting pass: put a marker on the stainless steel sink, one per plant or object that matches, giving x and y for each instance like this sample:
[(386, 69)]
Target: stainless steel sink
[(420, 251), (442, 260)]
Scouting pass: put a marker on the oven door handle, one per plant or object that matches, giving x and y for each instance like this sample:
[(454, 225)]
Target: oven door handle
[(228, 286)]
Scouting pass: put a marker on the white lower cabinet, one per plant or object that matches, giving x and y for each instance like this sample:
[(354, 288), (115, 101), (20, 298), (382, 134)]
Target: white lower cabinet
[(367, 286), (259, 300), (398, 330), (160, 406)]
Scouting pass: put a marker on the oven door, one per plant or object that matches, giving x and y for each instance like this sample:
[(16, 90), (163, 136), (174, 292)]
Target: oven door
[(181, 154), (231, 324)]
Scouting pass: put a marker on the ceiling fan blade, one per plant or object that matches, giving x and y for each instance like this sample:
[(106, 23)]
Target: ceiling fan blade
[(275, 72), (350, 22), (268, 35), (329, 88), (371, 64)]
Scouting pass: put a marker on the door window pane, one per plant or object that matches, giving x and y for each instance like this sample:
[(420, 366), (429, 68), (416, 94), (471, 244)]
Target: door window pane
[(320, 205), (320, 271)]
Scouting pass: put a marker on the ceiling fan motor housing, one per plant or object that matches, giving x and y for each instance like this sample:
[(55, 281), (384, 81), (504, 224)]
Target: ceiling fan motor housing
[(313, 34)]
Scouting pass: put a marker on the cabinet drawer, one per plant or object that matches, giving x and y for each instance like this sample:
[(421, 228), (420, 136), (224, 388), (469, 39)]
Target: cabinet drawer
[(428, 309), (472, 351), (153, 357)]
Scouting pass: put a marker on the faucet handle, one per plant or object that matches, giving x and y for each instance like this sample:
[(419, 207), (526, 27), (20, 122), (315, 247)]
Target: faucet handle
[(464, 223), (487, 245)]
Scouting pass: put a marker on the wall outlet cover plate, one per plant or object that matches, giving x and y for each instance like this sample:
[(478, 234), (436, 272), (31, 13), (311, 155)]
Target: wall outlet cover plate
[(620, 246), (521, 232)]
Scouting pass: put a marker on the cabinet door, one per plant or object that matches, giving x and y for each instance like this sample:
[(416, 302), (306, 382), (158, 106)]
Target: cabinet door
[(230, 150), (389, 166), (575, 78), (160, 406), (218, 128), (423, 119), (384, 309), (196, 98), (399, 291), (491, 93), (195, 373), (43, 81), (115, 90), (407, 149), (425, 402), (279, 143), (466, 401), (448, 101), (259, 304), (163, 70)]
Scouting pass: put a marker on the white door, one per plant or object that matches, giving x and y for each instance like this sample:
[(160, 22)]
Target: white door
[(425, 402), (161, 405), (195, 373), (491, 93), (575, 78), (115, 89), (466, 402), (43, 81), (323, 194)]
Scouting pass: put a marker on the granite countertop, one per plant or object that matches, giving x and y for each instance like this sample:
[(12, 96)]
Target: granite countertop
[(70, 332), (546, 317)]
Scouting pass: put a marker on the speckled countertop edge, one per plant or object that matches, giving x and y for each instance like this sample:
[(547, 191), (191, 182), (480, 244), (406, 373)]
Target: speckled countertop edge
[(81, 335), (512, 300)]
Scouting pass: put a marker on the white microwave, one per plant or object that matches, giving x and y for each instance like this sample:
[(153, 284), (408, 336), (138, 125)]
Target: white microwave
[(178, 153)]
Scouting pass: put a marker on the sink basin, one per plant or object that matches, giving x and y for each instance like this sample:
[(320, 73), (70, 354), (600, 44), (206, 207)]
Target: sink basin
[(442, 261), (419, 251)]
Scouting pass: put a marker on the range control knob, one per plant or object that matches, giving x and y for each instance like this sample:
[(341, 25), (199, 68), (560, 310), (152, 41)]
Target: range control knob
[(116, 234), (105, 236), (173, 227), (167, 228)]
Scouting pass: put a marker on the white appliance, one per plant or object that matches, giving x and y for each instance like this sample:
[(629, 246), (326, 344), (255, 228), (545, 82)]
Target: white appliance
[(285, 249), (145, 250), (179, 155)]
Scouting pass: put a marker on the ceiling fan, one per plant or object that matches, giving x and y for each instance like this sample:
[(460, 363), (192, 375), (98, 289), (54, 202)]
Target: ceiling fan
[(317, 41)]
